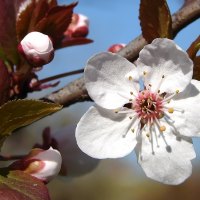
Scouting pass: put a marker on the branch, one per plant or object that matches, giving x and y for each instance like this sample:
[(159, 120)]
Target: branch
[(76, 91)]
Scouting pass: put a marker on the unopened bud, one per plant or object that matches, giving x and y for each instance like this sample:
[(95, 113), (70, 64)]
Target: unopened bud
[(116, 47), (42, 164), (79, 26), (37, 48)]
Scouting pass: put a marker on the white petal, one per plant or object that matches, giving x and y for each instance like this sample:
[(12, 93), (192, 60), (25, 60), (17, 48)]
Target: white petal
[(164, 57), (188, 122), (107, 80), (171, 161), (100, 133)]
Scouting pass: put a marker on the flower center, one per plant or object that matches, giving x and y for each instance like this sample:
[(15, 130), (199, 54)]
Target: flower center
[(148, 106)]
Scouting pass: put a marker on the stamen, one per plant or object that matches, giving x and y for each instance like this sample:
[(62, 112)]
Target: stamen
[(130, 78), (144, 73), (162, 128), (170, 110)]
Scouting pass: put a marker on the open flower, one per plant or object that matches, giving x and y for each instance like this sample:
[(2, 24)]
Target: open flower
[(152, 108)]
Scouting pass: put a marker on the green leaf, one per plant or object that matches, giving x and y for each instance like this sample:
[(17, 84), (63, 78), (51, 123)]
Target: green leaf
[(155, 19), (194, 48), (16, 114), (21, 186)]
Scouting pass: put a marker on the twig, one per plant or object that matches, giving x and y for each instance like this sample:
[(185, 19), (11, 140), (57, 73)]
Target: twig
[(76, 91)]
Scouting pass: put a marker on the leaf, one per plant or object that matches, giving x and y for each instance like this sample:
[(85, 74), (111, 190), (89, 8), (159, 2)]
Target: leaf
[(8, 41), (56, 21), (66, 42), (5, 81), (155, 19), (196, 70), (194, 48), (15, 114), (21, 186)]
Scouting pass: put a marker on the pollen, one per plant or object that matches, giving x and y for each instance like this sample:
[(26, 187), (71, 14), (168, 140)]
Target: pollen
[(170, 110), (162, 128)]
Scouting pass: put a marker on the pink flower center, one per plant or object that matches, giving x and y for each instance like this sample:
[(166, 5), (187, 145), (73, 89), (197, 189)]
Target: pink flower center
[(148, 106)]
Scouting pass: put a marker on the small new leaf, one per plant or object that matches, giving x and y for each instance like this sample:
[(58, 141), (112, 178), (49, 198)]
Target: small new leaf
[(194, 48), (21, 186), (155, 19), (16, 114)]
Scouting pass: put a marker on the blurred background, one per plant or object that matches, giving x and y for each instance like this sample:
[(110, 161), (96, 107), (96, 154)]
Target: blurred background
[(111, 21)]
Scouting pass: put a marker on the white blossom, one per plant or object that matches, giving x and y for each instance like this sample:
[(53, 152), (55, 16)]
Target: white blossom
[(151, 106)]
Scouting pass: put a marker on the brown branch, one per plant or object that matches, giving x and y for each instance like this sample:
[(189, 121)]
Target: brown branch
[(76, 91)]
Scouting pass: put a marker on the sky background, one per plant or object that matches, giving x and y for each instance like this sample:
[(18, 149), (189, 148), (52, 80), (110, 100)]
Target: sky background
[(111, 21)]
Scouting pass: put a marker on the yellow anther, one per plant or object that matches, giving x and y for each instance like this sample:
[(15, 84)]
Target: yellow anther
[(130, 78), (168, 101), (177, 91), (133, 130), (144, 73), (131, 93), (170, 110), (162, 128), (160, 115), (147, 135)]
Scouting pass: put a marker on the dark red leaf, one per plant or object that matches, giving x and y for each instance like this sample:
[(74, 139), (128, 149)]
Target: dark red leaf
[(4, 83), (194, 48), (21, 186), (155, 19), (56, 22), (8, 43), (66, 42)]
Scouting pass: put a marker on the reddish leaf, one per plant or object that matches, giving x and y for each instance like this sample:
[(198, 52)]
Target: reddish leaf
[(66, 42), (8, 41), (4, 83), (21, 186), (196, 71), (155, 19), (194, 48), (56, 21), (23, 18)]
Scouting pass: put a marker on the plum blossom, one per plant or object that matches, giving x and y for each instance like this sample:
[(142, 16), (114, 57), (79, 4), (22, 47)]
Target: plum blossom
[(37, 48), (151, 106)]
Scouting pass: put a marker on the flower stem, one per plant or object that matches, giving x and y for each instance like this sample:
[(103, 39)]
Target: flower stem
[(51, 78)]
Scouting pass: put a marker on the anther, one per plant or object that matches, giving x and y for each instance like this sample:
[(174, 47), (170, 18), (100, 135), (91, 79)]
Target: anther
[(158, 91), (130, 78), (170, 110), (133, 130), (130, 99), (163, 76), (150, 85), (147, 135), (162, 128), (177, 91), (131, 93), (130, 118), (144, 73)]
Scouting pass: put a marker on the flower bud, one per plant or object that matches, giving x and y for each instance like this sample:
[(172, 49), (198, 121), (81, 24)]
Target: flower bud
[(37, 48), (42, 164), (79, 26), (116, 47)]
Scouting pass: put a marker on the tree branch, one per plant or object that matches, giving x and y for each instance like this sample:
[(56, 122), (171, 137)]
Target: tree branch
[(76, 91)]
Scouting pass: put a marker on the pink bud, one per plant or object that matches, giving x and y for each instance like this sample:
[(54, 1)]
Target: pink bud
[(42, 164), (37, 48), (116, 47), (79, 26)]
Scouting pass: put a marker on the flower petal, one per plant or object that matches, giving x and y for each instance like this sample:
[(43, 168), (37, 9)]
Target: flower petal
[(101, 133), (170, 160), (187, 122), (163, 58), (109, 79)]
